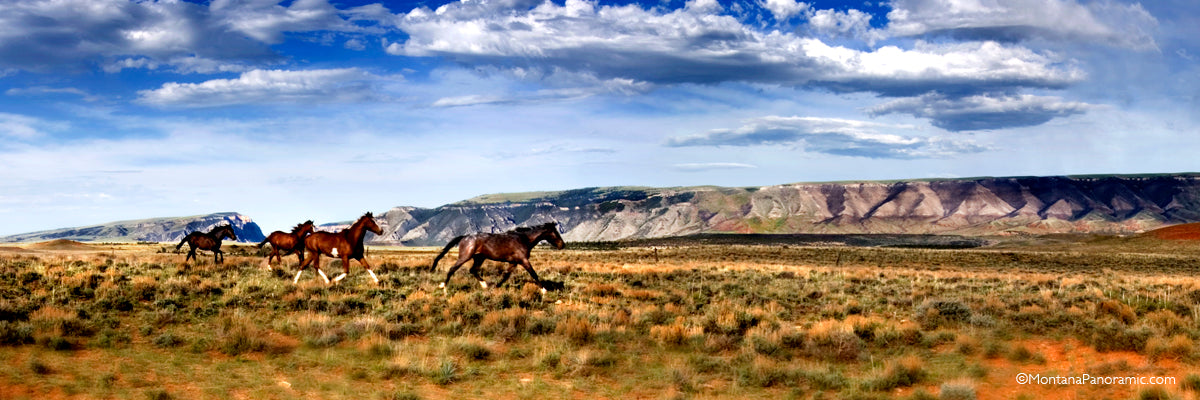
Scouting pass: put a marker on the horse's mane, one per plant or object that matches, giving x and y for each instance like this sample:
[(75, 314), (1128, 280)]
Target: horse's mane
[(300, 225), (358, 248)]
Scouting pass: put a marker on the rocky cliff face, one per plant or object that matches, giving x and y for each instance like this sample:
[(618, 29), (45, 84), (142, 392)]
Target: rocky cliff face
[(1112, 204), (149, 230)]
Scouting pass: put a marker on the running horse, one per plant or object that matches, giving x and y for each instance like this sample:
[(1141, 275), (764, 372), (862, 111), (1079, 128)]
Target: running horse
[(288, 242), (347, 245), (512, 247), (210, 241)]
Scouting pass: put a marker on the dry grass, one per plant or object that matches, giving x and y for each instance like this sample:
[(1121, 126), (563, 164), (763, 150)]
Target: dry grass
[(703, 321)]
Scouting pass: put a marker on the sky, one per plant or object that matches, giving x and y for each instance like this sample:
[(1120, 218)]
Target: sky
[(325, 109)]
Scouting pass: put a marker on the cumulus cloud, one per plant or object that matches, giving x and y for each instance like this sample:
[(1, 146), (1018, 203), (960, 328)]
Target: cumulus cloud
[(832, 136), (1102, 21), (783, 10), (271, 87), (989, 111), (849, 24), (692, 45)]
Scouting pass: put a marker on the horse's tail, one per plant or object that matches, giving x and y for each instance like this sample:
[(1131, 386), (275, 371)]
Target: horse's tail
[(185, 239), (444, 250), (260, 244)]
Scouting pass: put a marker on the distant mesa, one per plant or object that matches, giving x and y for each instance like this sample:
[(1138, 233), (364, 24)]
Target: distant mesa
[(60, 244), (169, 229), (1189, 231)]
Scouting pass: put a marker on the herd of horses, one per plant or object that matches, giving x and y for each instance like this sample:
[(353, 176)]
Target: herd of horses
[(512, 247)]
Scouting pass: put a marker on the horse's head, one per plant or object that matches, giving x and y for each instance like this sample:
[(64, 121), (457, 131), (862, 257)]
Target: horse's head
[(304, 228), (367, 221), (550, 234), (225, 231)]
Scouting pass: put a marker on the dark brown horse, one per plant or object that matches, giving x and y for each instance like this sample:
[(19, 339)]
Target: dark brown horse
[(347, 245), (210, 241), (288, 242), (511, 247)]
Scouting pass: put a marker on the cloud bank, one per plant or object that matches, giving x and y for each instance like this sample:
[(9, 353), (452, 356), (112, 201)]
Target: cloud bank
[(832, 136)]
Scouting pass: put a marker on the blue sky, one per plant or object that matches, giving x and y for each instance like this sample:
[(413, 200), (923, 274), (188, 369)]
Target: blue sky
[(319, 109)]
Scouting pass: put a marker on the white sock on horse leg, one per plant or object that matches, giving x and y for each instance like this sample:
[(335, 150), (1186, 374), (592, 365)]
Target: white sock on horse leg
[(543, 291), (323, 276), (373, 276), (340, 277), (297, 276), (483, 283)]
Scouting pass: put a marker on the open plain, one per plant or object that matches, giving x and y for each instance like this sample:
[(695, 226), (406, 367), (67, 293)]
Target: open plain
[(665, 320)]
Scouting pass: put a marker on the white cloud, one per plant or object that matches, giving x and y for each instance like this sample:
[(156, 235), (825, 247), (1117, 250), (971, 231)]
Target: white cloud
[(832, 136), (46, 90), (849, 24), (989, 111), (783, 10), (267, 20), (43, 35), (271, 86), (692, 45), (594, 87), (23, 127), (1103, 21), (701, 167)]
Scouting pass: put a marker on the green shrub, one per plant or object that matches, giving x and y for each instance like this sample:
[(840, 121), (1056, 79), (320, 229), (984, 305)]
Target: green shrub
[(936, 312), (15, 333)]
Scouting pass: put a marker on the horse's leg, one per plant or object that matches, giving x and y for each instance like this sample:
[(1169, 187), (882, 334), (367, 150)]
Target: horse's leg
[(345, 268), (317, 265), (218, 256), (303, 265), (474, 270), (507, 272), (453, 268), (191, 253), (529, 269), (367, 265)]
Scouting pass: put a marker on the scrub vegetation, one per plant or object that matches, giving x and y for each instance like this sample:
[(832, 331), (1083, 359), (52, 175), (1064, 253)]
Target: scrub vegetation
[(679, 321)]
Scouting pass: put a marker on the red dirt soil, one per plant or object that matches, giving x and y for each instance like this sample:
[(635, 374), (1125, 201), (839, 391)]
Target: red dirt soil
[(1177, 232)]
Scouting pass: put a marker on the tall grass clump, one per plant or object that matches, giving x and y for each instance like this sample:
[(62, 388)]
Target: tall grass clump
[(833, 340)]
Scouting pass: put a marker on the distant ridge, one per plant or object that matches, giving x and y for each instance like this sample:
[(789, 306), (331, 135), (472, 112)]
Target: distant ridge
[(170, 229), (1118, 204)]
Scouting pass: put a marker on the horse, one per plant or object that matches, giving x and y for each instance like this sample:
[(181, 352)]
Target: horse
[(347, 244), (288, 242), (207, 241), (512, 247)]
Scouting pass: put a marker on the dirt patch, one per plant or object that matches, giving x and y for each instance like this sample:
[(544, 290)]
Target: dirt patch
[(1071, 358), (1177, 232), (61, 244)]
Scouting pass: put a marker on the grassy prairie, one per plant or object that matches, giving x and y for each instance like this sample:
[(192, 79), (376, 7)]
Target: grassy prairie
[(693, 321)]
